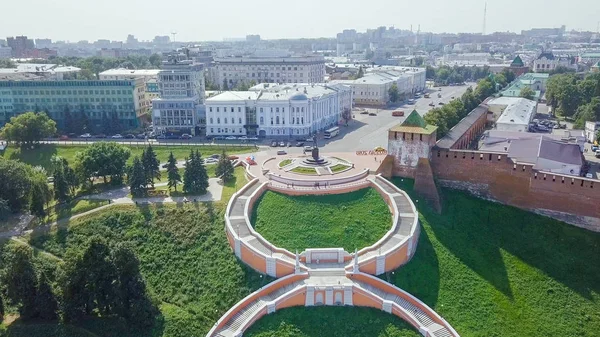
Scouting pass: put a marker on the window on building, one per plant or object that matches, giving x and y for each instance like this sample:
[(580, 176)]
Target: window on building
[(212, 130), (271, 120), (261, 110), (240, 120), (210, 109), (277, 120), (217, 109), (218, 120), (211, 120), (262, 121), (232, 109), (276, 109)]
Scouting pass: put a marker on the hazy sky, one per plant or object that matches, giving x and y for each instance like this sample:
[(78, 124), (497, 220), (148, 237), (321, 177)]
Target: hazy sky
[(198, 20)]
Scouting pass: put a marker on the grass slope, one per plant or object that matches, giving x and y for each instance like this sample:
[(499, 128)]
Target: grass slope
[(41, 155), (331, 322), (492, 270), (352, 220)]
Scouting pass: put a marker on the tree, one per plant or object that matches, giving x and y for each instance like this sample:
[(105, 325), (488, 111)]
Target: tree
[(88, 280), (347, 115), (393, 93), (4, 209), (65, 179), (587, 112), (20, 280), (28, 128), (155, 60), (46, 302), (361, 72), (501, 80), (195, 177), (224, 168), (485, 88), (103, 159), (225, 86), (137, 178), (173, 172), (23, 187), (598, 137), (526, 92), (133, 303), (151, 166), (1, 304)]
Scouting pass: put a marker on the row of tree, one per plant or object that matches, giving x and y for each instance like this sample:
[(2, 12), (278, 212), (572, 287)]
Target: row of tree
[(575, 97), (95, 278), (444, 75), (446, 117)]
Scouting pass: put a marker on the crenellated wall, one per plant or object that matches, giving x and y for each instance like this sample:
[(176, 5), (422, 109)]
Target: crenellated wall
[(495, 176)]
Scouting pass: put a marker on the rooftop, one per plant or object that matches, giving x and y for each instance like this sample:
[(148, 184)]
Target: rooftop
[(462, 127), (518, 110), (279, 92), (554, 153), (39, 68), (132, 72)]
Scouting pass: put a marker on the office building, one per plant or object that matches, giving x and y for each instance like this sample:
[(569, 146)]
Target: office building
[(146, 75), (279, 111), (180, 108), (99, 100), (288, 69)]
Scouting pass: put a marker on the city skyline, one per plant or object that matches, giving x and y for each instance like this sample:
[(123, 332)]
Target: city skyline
[(243, 18)]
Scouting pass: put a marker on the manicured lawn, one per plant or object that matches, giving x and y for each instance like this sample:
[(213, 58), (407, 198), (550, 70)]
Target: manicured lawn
[(285, 162), (330, 322), (41, 155), (352, 220), (338, 168), (493, 270), (304, 170)]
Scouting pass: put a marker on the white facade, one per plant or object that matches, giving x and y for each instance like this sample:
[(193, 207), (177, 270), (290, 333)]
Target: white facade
[(373, 88), (236, 70), (179, 108), (547, 62), (515, 113), (591, 128), (280, 111)]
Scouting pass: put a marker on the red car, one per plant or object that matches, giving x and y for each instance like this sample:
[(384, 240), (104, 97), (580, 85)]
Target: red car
[(63, 137)]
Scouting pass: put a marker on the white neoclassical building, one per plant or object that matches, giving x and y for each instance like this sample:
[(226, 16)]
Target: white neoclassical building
[(288, 69), (278, 111)]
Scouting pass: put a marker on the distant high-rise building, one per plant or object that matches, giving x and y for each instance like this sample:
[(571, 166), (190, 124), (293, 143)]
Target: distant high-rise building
[(131, 40), (43, 43), (162, 39), (253, 38), (20, 45), (2, 43)]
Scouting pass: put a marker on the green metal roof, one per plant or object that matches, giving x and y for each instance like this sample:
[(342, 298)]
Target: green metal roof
[(517, 62), (414, 119)]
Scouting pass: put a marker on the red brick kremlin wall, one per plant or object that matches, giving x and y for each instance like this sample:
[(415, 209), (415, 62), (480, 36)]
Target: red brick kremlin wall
[(494, 176)]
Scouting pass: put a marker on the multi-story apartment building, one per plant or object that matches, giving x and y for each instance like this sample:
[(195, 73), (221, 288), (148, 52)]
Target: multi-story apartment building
[(289, 69), (180, 107), (547, 62), (280, 111), (98, 99)]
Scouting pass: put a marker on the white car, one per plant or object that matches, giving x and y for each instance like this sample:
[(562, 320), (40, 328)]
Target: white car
[(85, 135), (117, 136), (243, 138), (210, 160), (230, 138)]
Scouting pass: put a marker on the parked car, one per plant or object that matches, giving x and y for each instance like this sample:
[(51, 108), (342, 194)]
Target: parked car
[(274, 143), (215, 156), (398, 113), (117, 136), (186, 136), (218, 137), (140, 136), (289, 144), (281, 152), (252, 138), (210, 160), (372, 114), (86, 135), (365, 112), (308, 148), (63, 137), (130, 136), (282, 144), (243, 138), (441, 103), (595, 148), (230, 138), (161, 137), (299, 144), (233, 157), (452, 97), (310, 139)]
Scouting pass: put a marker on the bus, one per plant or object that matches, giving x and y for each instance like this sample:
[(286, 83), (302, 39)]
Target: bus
[(332, 132)]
